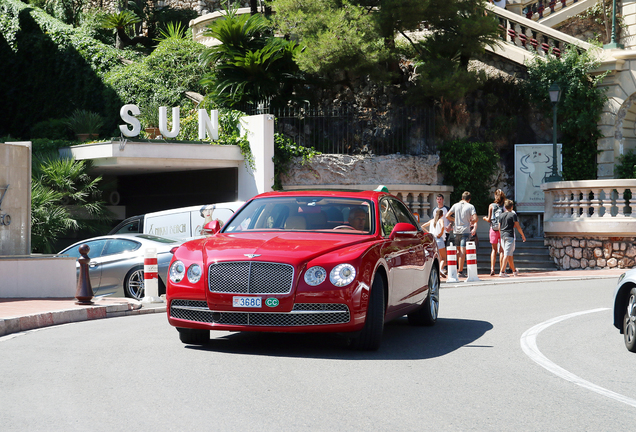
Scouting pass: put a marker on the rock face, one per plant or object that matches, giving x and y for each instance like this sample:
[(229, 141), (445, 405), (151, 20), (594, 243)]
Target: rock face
[(331, 169)]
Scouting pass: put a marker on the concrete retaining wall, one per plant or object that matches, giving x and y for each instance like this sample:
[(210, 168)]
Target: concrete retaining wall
[(37, 276)]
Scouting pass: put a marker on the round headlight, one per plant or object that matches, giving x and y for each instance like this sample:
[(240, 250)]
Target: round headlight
[(315, 275), (194, 273), (177, 271), (342, 274)]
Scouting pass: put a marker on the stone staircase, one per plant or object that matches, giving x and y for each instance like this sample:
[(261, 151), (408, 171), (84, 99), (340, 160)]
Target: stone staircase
[(531, 256)]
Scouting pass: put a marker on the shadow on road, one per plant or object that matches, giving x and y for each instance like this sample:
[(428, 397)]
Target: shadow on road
[(399, 342)]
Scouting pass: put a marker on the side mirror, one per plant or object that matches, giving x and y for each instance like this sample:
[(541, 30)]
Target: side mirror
[(211, 227), (403, 230)]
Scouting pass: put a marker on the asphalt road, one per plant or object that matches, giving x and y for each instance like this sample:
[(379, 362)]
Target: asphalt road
[(468, 373)]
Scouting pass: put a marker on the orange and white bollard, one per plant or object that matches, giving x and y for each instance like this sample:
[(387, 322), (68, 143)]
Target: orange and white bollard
[(471, 262), (151, 277), (451, 258)]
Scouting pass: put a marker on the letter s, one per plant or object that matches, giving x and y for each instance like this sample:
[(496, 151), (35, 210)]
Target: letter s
[(125, 114)]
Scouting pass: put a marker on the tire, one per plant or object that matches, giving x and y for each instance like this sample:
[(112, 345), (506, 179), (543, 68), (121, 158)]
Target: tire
[(427, 314), (629, 322), (134, 283), (370, 337), (162, 287), (193, 336)]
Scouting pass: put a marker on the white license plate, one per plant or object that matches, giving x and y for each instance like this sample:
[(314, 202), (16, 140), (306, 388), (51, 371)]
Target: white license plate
[(247, 302)]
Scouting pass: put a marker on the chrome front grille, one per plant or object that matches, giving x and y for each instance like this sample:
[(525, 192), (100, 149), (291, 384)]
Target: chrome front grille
[(247, 277), (303, 314)]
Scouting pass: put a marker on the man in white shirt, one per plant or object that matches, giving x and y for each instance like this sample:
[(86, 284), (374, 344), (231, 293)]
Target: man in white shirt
[(462, 214)]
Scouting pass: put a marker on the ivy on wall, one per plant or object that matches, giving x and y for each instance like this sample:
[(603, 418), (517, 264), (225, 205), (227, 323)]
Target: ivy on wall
[(579, 109), (48, 68)]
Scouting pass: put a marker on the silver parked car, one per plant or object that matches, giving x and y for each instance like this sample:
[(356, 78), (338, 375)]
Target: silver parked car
[(117, 262), (625, 308)]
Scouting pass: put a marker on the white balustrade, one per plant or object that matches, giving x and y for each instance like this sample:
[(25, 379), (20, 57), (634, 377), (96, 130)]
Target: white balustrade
[(568, 207)]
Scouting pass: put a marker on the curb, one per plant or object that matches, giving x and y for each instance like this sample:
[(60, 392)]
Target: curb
[(512, 280), (47, 319)]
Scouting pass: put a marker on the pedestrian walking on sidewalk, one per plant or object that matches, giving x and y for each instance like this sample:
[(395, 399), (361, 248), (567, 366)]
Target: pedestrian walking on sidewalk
[(464, 217), (495, 211), (436, 227), (509, 221)]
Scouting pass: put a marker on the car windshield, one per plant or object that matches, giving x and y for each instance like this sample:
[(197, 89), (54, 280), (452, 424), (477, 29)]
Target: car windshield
[(305, 213)]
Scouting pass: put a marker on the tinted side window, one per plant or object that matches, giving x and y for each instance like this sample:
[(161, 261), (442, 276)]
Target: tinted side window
[(129, 228), (403, 214), (388, 217), (116, 246), (96, 249)]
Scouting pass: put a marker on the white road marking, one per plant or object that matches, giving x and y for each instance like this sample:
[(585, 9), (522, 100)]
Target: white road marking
[(529, 346)]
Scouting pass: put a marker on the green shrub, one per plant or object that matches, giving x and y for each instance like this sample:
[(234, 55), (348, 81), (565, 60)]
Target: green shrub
[(85, 122), (285, 149), (91, 23), (469, 166), (161, 79), (54, 129), (67, 11), (45, 146), (626, 166)]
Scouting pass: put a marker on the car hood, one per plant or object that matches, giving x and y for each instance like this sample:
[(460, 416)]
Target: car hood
[(291, 248)]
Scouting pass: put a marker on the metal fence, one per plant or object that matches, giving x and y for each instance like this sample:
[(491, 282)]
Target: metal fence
[(404, 130)]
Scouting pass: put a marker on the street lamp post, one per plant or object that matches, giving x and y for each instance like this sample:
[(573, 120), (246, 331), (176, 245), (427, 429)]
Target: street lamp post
[(613, 43), (555, 95)]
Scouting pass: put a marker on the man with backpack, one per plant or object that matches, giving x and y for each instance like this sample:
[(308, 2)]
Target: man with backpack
[(495, 212), (464, 216)]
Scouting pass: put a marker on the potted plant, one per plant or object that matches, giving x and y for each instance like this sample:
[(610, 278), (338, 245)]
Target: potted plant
[(149, 118), (85, 124)]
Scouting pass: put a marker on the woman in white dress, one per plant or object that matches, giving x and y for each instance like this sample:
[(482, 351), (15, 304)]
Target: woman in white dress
[(436, 227)]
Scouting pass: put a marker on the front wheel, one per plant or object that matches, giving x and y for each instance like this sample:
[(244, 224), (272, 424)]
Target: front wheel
[(134, 283), (629, 322), (193, 336), (427, 314), (371, 335)]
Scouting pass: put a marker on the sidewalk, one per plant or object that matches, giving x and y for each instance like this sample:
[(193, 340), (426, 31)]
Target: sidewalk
[(536, 276), (22, 314), (19, 315)]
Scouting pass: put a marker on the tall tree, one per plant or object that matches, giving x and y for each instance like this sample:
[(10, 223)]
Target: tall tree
[(363, 36)]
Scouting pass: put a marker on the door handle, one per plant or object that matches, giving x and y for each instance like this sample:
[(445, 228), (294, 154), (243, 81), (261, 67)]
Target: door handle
[(92, 265)]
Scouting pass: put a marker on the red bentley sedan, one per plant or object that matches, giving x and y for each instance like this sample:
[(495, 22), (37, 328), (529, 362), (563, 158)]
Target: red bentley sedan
[(310, 261)]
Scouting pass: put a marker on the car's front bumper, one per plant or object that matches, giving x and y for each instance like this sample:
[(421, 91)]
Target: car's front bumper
[(304, 317)]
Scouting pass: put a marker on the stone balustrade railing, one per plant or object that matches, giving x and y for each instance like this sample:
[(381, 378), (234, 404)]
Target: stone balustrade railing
[(533, 36), (543, 8), (421, 199), (600, 206), (590, 223)]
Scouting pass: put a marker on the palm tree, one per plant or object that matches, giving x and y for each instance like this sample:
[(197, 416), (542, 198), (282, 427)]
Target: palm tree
[(250, 64), (49, 220), (64, 198), (120, 21)]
